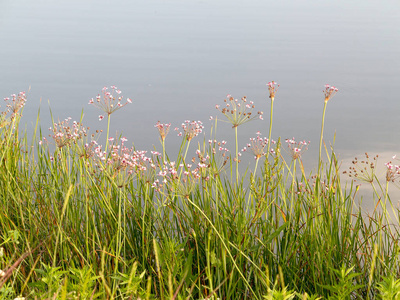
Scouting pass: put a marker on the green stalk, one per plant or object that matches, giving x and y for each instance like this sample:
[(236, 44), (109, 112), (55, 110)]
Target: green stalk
[(187, 148), (293, 183), (66, 200), (119, 233), (270, 126), (237, 157), (385, 213), (144, 229), (163, 149), (255, 168), (233, 260), (108, 130), (320, 140)]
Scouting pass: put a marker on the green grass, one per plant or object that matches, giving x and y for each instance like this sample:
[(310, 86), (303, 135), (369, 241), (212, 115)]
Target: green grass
[(78, 222)]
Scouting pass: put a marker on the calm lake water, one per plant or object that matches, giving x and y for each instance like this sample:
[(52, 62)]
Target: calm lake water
[(178, 58)]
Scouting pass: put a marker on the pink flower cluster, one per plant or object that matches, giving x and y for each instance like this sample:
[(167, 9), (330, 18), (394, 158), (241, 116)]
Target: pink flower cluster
[(329, 92), (272, 88), (182, 179), (123, 163), (15, 103), (191, 129), (296, 148), (257, 146), (238, 111), (163, 129), (392, 171), (109, 102), (65, 134), (213, 159)]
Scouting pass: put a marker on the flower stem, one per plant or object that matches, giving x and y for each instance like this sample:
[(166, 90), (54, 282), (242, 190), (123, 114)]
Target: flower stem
[(320, 141), (255, 168), (237, 157), (163, 149), (108, 130), (270, 127), (187, 148), (293, 184)]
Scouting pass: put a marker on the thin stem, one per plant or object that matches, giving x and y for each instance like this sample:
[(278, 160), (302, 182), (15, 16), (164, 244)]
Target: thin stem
[(293, 183), (320, 141), (108, 130), (237, 156), (270, 127), (187, 148), (163, 149), (255, 168), (385, 202)]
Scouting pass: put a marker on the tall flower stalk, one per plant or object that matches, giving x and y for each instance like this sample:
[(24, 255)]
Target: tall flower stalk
[(109, 102), (238, 112), (163, 130), (272, 88), (258, 146), (190, 129), (296, 149), (328, 92)]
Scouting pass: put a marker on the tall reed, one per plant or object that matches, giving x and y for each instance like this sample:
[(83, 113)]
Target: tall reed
[(80, 221)]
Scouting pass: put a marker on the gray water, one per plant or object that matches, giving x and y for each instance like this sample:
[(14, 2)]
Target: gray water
[(178, 58)]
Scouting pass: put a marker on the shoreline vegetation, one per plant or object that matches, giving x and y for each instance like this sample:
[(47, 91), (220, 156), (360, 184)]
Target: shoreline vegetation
[(83, 221)]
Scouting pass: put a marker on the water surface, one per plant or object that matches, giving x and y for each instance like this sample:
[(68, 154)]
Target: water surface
[(176, 59)]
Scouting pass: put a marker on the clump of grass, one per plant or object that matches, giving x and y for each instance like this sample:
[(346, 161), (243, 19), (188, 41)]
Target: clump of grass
[(80, 221)]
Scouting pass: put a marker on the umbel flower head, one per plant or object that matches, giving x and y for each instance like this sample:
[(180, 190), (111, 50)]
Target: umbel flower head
[(109, 102), (296, 148), (272, 88), (14, 106), (363, 170), (65, 134), (239, 111), (190, 129), (392, 172), (163, 129), (258, 146), (329, 92)]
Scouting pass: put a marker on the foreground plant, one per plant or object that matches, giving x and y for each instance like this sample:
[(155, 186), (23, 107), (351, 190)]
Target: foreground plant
[(83, 221), (259, 147), (238, 112), (109, 102), (190, 129), (272, 88), (163, 130), (329, 92)]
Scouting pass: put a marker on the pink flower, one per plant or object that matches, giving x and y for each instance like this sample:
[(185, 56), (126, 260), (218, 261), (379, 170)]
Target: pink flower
[(191, 129), (163, 129), (329, 92), (101, 117), (257, 146), (296, 148), (389, 166), (272, 88), (109, 103), (237, 112)]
